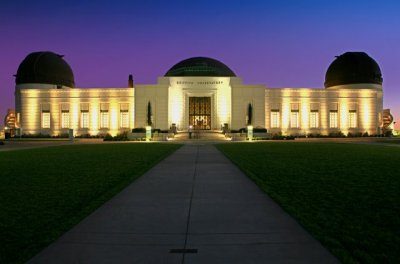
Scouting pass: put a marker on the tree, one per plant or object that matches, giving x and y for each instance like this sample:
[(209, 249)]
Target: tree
[(249, 114), (149, 114)]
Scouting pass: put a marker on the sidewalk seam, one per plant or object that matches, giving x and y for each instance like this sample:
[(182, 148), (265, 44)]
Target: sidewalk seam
[(190, 203)]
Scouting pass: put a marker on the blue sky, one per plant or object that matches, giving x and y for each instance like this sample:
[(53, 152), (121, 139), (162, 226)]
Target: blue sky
[(277, 43)]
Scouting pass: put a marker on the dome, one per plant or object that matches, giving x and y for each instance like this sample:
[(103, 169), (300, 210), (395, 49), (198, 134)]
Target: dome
[(351, 68), (45, 67), (200, 66)]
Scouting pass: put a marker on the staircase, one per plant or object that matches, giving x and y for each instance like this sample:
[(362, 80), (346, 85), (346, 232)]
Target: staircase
[(200, 136)]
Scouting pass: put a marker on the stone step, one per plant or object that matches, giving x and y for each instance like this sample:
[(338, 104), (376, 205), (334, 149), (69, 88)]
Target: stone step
[(203, 136)]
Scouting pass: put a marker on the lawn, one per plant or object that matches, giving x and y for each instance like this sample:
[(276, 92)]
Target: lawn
[(345, 195), (46, 191)]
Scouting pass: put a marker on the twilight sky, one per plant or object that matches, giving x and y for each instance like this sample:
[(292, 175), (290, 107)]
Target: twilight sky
[(282, 43)]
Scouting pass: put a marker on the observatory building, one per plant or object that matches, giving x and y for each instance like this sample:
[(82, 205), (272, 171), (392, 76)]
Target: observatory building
[(200, 92)]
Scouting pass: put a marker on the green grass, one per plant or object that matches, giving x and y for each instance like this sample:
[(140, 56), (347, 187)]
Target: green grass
[(347, 196), (391, 141), (44, 192)]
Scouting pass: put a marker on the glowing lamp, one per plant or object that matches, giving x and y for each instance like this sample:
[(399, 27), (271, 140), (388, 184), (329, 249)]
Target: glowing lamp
[(250, 132), (148, 133)]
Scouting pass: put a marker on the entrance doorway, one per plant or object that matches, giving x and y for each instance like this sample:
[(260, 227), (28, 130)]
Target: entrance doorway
[(200, 112)]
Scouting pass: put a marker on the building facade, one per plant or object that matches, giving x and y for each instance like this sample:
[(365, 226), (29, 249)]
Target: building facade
[(199, 92)]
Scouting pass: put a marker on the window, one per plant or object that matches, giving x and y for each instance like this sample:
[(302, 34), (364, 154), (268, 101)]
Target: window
[(104, 120), (84, 119), (45, 115), (294, 119), (65, 116), (352, 119), (314, 119), (124, 116), (333, 115), (84, 115), (294, 115), (64, 119), (275, 117), (124, 119), (104, 117), (333, 119), (45, 119)]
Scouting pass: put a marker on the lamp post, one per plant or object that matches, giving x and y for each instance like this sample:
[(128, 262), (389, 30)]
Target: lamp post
[(148, 133), (6, 135), (149, 121), (250, 132), (190, 131)]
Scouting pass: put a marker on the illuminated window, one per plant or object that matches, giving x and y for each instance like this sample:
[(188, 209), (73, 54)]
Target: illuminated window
[(84, 119), (352, 119), (333, 119), (124, 119), (104, 116), (84, 115), (275, 117), (314, 119), (45, 115), (64, 119), (124, 116), (45, 119), (104, 120), (294, 119), (294, 115)]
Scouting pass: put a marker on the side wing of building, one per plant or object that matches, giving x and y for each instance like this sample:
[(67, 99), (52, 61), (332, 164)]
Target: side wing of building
[(43, 109)]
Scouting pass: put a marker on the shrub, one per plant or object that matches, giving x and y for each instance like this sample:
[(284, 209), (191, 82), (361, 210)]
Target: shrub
[(277, 136), (108, 137), (63, 135), (121, 136), (260, 130), (139, 130), (358, 134), (91, 136), (338, 134), (388, 133), (39, 135)]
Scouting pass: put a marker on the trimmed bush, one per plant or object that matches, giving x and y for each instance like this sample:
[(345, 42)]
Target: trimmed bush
[(139, 130)]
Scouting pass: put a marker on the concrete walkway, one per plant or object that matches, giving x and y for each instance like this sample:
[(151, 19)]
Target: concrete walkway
[(193, 207)]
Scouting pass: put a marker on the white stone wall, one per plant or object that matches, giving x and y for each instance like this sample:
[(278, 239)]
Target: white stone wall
[(242, 96), (31, 98), (182, 88), (169, 100), (158, 96), (366, 98)]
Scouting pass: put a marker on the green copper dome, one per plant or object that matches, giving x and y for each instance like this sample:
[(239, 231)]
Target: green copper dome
[(352, 68), (200, 66), (45, 67)]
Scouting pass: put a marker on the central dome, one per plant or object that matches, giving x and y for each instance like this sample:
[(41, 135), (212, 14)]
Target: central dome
[(200, 66)]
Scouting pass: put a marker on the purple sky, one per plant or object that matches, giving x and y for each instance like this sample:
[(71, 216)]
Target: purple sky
[(282, 43)]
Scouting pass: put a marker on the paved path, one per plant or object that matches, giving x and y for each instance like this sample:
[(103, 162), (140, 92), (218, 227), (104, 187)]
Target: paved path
[(195, 200)]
